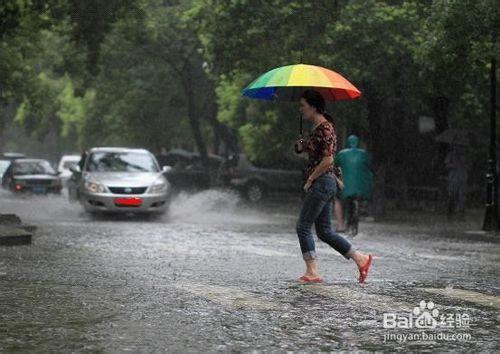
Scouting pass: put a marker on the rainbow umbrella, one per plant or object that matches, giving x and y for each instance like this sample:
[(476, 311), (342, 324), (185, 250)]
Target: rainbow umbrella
[(288, 82)]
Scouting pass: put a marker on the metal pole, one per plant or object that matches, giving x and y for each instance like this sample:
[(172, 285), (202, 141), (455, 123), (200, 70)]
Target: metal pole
[(491, 216)]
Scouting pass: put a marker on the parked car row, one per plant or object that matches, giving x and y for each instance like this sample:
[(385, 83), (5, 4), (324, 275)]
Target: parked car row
[(256, 182), (109, 179), (186, 172), (253, 182)]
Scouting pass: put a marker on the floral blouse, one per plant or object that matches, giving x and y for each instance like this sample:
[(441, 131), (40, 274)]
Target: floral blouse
[(322, 142)]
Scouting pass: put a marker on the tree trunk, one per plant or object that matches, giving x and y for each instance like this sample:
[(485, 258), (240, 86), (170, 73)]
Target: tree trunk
[(194, 122), (222, 133), (377, 137), (440, 105)]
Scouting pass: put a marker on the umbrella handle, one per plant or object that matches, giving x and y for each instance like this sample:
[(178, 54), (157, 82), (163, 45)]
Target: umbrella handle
[(297, 150)]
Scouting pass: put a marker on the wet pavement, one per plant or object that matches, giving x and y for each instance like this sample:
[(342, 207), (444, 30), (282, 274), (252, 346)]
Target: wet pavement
[(218, 275)]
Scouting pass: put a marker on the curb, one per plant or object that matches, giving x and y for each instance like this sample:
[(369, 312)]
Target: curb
[(13, 232)]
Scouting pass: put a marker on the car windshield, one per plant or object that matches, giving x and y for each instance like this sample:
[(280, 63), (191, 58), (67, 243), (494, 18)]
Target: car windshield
[(41, 167), (4, 164), (67, 164), (121, 162)]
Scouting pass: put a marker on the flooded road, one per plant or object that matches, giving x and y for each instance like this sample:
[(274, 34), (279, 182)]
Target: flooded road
[(216, 274)]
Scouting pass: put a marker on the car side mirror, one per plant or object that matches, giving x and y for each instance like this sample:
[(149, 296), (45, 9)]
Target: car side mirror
[(75, 169), (166, 169)]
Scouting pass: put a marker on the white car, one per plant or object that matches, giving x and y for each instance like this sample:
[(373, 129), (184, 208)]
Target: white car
[(65, 164), (120, 180)]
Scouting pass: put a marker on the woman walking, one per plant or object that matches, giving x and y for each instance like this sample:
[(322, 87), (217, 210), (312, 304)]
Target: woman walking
[(320, 188)]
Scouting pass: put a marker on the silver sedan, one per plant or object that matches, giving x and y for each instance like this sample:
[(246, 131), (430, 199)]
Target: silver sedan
[(119, 180)]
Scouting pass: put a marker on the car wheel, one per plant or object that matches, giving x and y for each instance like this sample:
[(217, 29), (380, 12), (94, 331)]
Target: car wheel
[(72, 195), (254, 192), (12, 187), (93, 214)]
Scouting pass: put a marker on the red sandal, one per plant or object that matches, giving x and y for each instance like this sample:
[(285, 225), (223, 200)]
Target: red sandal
[(305, 280), (363, 271)]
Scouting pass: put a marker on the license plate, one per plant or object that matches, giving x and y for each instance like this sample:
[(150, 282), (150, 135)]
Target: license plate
[(130, 202), (39, 190)]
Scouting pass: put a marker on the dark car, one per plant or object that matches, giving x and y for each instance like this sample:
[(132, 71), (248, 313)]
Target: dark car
[(255, 182), (187, 172), (33, 176)]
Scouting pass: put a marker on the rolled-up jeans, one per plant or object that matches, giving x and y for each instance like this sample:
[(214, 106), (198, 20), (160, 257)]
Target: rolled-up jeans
[(317, 210)]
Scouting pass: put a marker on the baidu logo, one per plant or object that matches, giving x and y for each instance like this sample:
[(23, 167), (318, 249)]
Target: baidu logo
[(426, 316), (428, 324)]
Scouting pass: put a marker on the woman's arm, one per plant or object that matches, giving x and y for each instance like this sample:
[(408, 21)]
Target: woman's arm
[(323, 166)]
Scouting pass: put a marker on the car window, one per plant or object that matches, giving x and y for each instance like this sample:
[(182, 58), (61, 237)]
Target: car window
[(285, 163), (67, 164), (33, 168), (4, 164), (196, 164), (121, 162), (244, 163)]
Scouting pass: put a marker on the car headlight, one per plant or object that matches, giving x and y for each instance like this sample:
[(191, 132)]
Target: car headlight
[(159, 186), (94, 187)]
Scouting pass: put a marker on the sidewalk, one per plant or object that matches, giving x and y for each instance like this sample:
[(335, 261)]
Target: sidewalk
[(469, 227), (13, 232)]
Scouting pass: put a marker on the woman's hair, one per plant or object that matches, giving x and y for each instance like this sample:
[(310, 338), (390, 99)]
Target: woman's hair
[(329, 118), (316, 100)]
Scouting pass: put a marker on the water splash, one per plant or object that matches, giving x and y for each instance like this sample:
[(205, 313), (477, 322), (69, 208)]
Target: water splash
[(40, 207), (215, 207)]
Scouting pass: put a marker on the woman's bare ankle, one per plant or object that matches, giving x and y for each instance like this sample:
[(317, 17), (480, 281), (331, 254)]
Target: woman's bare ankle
[(359, 258)]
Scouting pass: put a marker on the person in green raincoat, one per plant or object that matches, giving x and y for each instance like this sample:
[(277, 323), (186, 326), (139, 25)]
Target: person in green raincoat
[(355, 164), (357, 176)]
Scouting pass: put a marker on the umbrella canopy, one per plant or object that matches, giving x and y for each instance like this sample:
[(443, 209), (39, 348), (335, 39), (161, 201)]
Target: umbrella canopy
[(457, 137), (289, 82)]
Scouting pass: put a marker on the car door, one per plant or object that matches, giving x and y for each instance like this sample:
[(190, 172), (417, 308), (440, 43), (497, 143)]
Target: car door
[(281, 180), (292, 180)]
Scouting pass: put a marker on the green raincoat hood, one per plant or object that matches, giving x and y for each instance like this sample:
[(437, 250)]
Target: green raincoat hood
[(352, 141)]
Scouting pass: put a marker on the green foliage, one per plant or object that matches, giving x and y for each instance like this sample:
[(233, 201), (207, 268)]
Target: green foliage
[(261, 34), (146, 67), (73, 112), (239, 48), (374, 42), (144, 72), (231, 108), (401, 54), (39, 82), (454, 55)]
